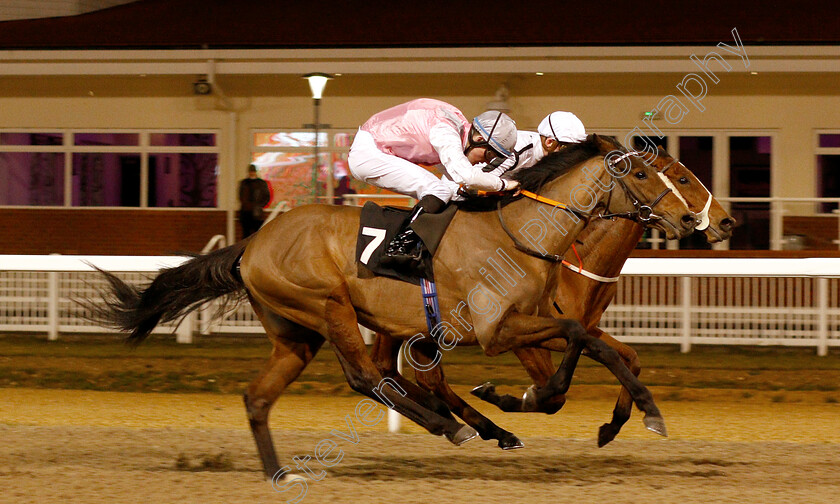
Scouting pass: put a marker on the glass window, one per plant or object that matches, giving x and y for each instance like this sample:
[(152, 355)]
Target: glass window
[(114, 139), (696, 153), (106, 179), (183, 179), (830, 140), (289, 176), (640, 142), (828, 179), (31, 139), (32, 178), (290, 139), (182, 139), (749, 176), (344, 139)]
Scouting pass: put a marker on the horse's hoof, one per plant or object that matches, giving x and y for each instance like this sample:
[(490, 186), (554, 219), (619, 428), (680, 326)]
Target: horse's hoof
[(510, 442), (656, 424), (606, 434), (464, 434), (279, 480), (529, 399), (483, 390)]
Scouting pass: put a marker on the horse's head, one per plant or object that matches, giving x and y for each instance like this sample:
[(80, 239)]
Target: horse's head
[(714, 221), (602, 177)]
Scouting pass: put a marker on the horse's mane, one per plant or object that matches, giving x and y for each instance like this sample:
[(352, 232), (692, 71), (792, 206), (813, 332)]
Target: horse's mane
[(546, 169)]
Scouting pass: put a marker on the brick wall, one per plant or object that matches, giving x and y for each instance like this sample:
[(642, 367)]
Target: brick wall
[(107, 232)]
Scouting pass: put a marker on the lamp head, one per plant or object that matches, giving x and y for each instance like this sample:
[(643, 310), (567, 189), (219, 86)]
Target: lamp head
[(317, 83)]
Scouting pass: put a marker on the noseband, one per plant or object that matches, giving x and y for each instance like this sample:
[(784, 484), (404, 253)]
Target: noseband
[(703, 215)]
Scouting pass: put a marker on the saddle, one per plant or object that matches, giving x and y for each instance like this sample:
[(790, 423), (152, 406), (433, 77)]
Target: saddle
[(379, 225)]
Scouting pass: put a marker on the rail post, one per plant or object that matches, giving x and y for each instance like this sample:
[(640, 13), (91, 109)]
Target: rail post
[(822, 316), (52, 305), (394, 418), (184, 333), (685, 344)]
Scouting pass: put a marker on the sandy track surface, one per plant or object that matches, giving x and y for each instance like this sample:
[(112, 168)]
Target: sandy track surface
[(98, 447)]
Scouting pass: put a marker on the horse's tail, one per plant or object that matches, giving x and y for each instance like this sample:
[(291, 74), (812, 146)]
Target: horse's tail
[(173, 293)]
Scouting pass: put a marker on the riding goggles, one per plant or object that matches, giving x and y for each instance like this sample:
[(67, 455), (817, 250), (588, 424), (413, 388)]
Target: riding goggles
[(491, 156)]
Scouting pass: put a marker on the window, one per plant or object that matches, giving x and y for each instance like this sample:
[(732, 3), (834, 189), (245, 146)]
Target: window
[(286, 160), (696, 153), (109, 168), (749, 177), (828, 169), (31, 168), (183, 170)]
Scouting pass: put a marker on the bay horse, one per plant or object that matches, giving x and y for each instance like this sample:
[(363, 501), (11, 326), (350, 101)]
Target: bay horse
[(300, 274), (603, 247)]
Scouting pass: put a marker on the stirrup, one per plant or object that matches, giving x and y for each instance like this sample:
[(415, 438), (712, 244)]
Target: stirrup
[(406, 244)]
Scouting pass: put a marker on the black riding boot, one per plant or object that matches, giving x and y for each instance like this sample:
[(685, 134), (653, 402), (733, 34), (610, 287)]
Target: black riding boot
[(406, 246)]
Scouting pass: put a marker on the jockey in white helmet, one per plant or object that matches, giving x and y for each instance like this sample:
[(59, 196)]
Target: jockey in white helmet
[(557, 130)]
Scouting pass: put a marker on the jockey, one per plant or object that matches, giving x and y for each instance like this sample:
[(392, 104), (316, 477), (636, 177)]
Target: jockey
[(556, 131), (390, 145)]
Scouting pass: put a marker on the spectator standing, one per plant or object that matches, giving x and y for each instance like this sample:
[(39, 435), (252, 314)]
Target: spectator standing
[(253, 197)]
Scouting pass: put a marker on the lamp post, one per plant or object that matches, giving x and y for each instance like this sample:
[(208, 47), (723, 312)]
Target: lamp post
[(317, 83)]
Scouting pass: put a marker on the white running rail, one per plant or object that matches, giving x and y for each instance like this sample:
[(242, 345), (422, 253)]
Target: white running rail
[(762, 301)]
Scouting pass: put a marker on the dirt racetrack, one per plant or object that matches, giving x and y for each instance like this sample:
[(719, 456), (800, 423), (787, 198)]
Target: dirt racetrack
[(107, 447)]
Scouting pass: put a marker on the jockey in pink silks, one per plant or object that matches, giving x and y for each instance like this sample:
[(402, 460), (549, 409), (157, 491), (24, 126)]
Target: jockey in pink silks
[(390, 145)]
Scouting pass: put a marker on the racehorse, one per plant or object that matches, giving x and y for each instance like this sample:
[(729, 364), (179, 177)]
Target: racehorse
[(582, 294), (300, 275)]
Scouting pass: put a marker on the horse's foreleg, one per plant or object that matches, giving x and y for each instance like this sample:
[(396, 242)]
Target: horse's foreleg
[(624, 404), (537, 362), (363, 377), (522, 330), (517, 331), (602, 352)]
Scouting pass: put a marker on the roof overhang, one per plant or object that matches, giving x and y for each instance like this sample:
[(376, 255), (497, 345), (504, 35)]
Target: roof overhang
[(466, 60)]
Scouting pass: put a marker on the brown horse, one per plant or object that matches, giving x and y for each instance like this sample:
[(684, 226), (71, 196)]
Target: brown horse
[(300, 275), (603, 248)]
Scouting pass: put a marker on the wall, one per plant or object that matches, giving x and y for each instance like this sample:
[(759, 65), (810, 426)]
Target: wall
[(790, 106), (107, 232)]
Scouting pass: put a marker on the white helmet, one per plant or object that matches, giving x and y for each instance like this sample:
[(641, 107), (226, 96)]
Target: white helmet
[(562, 127), (498, 130)]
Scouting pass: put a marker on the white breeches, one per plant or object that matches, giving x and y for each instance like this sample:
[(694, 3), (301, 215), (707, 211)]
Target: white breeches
[(377, 168)]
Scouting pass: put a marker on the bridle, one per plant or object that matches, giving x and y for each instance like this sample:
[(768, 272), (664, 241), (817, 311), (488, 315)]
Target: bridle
[(642, 214)]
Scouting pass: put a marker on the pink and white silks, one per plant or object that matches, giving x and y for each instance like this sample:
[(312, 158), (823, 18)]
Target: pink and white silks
[(388, 147)]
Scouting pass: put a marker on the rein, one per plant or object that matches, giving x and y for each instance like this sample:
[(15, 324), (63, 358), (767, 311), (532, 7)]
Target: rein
[(641, 213)]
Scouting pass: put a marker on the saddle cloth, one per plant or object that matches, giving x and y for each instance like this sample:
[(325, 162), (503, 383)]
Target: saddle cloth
[(379, 225)]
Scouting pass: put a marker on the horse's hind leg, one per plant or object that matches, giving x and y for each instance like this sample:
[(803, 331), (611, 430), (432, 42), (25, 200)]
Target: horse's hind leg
[(433, 379), (363, 377), (385, 352), (294, 348)]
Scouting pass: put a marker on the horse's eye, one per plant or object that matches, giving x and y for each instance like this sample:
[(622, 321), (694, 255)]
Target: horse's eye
[(641, 175), (683, 180)]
